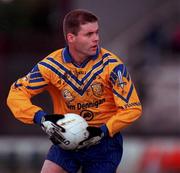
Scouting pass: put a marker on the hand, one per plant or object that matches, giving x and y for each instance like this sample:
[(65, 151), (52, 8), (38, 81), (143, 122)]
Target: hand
[(49, 125), (95, 136)]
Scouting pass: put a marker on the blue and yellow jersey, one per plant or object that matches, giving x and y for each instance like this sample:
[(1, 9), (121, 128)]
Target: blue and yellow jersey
[(100, 90)]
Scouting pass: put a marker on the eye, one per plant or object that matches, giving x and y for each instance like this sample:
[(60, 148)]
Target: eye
[(89, 34)]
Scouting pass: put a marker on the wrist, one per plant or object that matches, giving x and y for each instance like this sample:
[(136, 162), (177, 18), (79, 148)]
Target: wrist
[(38, 116), (105, 130)]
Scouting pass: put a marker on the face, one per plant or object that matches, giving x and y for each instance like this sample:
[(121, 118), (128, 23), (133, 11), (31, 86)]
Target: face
[(86, 41)]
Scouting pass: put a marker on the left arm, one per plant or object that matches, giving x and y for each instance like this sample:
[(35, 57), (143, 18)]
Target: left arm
[(125, 98)]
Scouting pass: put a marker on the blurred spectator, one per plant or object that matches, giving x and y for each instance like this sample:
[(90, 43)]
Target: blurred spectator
[(155, 36), (175, 42)]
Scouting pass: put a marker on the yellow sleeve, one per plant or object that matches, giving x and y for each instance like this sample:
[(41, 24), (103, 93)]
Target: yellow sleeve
[(21, 92), (126, 99)]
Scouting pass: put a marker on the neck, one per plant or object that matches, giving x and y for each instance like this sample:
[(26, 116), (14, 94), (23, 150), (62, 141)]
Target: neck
[(77, 56)]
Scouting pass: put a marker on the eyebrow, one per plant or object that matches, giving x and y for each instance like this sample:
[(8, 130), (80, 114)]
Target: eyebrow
[(93, 31)]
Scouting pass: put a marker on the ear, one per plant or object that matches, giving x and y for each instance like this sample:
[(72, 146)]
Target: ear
[(70, 37)]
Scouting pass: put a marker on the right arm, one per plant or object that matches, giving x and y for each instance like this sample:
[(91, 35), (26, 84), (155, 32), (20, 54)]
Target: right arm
[(21, 92)]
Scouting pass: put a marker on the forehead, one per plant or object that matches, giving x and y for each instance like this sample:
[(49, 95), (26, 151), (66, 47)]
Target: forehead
[(89, 27)]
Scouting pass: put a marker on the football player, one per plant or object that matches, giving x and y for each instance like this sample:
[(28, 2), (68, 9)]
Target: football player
[(85, 79)]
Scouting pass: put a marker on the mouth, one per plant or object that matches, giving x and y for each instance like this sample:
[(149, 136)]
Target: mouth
[(94, 47)]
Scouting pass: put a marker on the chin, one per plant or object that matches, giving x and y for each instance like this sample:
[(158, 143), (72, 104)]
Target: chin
[(93, 52)]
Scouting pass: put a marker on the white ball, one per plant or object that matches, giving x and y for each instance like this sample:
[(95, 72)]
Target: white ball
[(73, 131)]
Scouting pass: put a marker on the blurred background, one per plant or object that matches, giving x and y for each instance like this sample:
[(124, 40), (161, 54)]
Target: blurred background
[(145, 34)]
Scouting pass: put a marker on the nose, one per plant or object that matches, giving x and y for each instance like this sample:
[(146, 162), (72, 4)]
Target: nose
[(96, 37)]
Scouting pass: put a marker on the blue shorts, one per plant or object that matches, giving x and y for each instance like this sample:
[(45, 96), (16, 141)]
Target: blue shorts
[(101, 158)]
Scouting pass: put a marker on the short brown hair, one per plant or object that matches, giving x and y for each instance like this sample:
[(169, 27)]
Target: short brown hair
[(75, 18)]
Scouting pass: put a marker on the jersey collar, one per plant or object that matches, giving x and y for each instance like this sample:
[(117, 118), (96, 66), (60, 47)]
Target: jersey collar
[(68, 58)]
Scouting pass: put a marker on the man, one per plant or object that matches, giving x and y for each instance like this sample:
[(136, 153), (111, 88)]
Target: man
[(85, 79)]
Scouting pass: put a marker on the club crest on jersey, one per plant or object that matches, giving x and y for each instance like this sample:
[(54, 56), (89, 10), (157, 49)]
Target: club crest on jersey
[(120, 81), (67, 95), (97, 89)]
